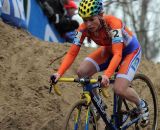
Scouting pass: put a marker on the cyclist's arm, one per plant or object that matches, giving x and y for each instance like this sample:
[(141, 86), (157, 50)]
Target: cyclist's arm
[(73, 52), (69, 58), (117, 56), (117, 43)]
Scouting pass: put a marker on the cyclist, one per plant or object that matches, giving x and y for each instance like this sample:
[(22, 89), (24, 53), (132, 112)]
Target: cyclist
[(118, 47)]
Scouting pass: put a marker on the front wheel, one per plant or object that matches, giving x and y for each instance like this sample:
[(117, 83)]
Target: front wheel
[(145, 89), (80, 117)]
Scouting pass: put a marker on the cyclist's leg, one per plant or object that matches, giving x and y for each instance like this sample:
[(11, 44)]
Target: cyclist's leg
[(90, 65), (121, 88), (125, 75), (86, 69)]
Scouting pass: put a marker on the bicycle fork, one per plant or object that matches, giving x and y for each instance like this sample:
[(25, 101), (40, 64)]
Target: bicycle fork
[(85, 96)]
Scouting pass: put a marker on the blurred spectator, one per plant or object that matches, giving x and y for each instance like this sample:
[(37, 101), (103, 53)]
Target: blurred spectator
[(71, 8), (57, 14)]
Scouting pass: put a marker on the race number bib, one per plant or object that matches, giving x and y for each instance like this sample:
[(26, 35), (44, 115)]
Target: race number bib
[(116, 36)]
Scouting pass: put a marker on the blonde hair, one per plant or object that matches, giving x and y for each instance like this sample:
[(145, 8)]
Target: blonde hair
[(106, 27)]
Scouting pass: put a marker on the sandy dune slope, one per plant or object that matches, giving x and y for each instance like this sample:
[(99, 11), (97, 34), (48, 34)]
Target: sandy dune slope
[(25, 67)]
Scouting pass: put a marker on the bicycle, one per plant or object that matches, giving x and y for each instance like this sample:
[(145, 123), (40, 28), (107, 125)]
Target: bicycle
[(82, 117)]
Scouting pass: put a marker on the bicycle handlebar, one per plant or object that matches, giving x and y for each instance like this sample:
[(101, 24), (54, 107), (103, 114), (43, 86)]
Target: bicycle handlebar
[(78, 80)]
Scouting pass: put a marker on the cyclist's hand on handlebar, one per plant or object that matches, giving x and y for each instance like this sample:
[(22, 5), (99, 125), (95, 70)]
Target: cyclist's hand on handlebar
[(54, 78), (105, 81)]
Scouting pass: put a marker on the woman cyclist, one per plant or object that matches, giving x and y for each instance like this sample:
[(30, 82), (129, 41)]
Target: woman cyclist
[(118, 47)]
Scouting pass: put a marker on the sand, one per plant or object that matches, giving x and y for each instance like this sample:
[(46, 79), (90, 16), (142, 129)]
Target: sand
[(26, 64)]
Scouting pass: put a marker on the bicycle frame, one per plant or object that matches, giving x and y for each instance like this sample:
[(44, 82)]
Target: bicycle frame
[(122, 117), (111, 122)]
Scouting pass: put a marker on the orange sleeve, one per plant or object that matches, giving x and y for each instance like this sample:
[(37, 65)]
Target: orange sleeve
[(68, 59), (117, 56)]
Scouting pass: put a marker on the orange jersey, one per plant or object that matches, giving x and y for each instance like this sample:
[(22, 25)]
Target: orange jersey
[(120, 40)]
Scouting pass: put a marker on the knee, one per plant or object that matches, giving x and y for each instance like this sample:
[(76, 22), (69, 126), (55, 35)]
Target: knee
[(86, 69), (80, 72)]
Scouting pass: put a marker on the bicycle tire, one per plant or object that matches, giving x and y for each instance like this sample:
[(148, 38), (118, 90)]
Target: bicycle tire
[(150, 96), (80, 105)]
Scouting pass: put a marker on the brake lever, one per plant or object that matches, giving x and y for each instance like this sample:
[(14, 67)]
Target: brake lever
[(52, 83), (50, 88)]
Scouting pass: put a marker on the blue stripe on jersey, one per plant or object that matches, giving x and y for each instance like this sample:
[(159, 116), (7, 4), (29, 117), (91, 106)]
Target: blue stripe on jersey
[(133, 45), (117, 40)]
